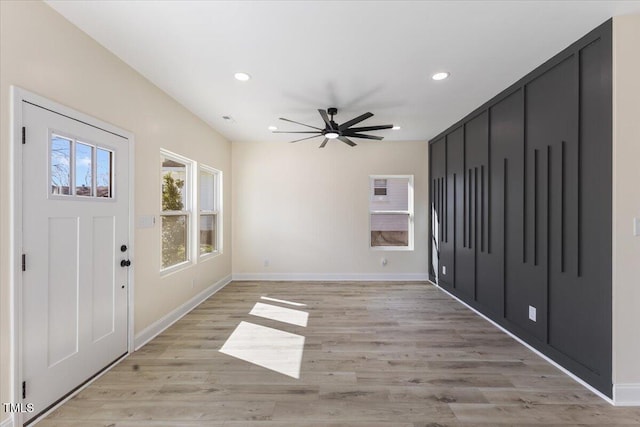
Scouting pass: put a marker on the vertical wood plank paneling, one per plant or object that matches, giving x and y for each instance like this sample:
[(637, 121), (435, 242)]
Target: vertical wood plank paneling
[(548, 237), (536, 186), (482, 205), (524, 171), (445, 218), (579, 81), (486, 266), (505, 228), (489, 181), (437, 171), (475, 234), (455, 159), (580, 309), (469, 198), (563, 169), (470, 213), (455, 216), (507, 122), (539, 234), (465, 208), (465, 230)]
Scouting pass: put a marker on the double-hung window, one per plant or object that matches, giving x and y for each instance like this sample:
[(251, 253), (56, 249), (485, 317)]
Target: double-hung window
[(391, 212), (209, 235), (176, 209)]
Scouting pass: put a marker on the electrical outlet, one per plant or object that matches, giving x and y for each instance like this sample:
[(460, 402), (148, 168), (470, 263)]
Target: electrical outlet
[(383, 261), (636, 227), (266, 262), (444, 269), (532, 313)]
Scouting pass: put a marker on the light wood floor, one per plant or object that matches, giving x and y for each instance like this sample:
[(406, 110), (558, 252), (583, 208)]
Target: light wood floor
[(376, 354)]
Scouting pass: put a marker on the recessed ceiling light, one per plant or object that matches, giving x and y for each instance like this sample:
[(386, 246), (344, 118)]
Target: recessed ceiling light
[(272, 128), (331, 135), (395, 127), (440, 76), (243, 77)]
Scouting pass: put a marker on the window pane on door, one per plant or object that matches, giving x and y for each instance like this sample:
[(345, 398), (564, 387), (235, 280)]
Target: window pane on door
[(60, 165), (174, 240), (208, 234), (84, 162), (389, 230), (104, 160)]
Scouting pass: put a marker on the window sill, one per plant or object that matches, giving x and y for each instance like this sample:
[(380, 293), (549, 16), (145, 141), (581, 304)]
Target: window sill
[(391, 248), (209, 256), (175, 268)]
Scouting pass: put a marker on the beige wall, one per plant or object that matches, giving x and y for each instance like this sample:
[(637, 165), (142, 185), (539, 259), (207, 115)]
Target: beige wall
[(305, 209), (43, 53), (626, 200)]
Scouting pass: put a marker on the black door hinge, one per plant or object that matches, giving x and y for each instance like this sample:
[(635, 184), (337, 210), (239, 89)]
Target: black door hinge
[(24, 262), (24, 135), (24, 389)]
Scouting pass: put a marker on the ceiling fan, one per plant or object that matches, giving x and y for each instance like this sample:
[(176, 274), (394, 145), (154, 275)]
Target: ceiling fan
[(333, 130)]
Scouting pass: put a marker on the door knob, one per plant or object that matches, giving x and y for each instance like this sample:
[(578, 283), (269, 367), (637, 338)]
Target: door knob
[(125, 263)]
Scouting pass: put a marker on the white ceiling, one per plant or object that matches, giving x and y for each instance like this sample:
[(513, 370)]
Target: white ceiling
[(358, 56)]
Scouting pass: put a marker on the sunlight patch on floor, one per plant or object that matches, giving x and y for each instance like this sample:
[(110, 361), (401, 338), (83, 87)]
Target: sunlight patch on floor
[(267, 347), (281, 314), (297, 304)]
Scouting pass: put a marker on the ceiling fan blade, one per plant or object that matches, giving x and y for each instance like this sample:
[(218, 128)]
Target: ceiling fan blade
[(298, 123), (363, 136), (324, 142), (347, 141), (324, 116), (302, 139), (296, 131), (368, 128), (352, 122)]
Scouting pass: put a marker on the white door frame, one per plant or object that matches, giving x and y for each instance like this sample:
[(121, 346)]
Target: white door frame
[(18, 96)]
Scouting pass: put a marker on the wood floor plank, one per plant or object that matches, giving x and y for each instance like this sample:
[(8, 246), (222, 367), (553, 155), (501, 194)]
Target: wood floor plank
[(375, 354)]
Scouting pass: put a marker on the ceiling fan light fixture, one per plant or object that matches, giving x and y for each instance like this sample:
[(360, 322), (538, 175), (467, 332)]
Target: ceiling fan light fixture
[(272, 128), (332, 130), (331, 135), (396, 127), (440, 76), (243, 77)]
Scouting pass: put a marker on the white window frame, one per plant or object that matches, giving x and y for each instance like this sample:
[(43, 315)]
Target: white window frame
[(72, 170), (217, 210), (187, 210), (409, 212)]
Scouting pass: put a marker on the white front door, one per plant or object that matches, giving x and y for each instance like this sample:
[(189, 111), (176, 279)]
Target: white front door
[(75, 232)]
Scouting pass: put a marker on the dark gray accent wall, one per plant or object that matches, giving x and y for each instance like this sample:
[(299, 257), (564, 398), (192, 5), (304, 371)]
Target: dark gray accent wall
[(521, 191)]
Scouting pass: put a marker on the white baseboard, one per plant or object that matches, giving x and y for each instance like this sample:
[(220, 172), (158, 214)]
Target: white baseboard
[(333, 277), (7, 423), (536, 351), (626, 394), (157, 327)]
